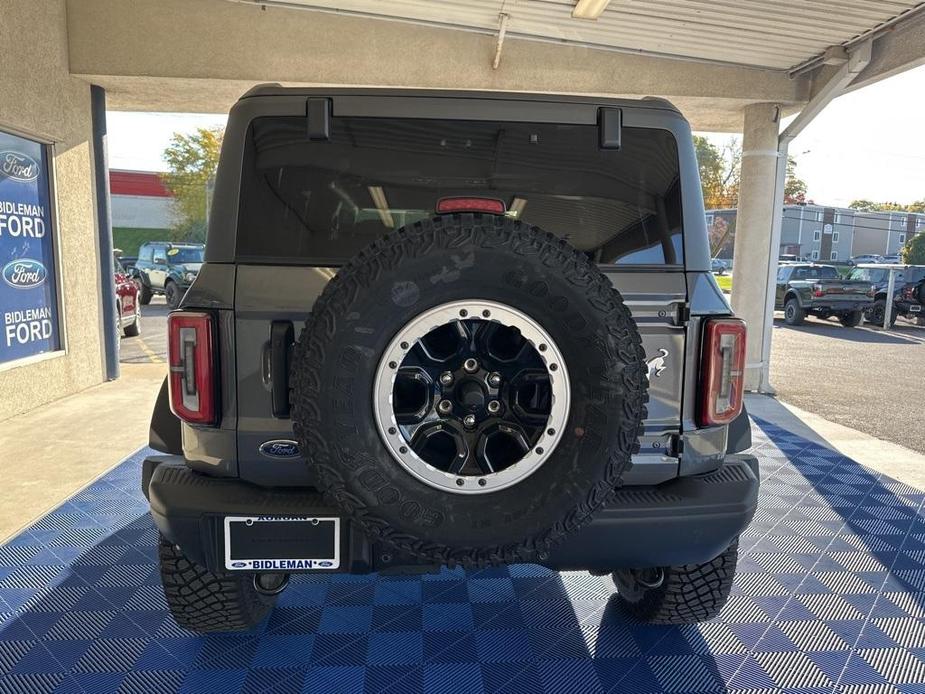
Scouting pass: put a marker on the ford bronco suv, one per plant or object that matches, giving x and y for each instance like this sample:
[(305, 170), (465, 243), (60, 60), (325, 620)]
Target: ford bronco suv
[(451, 329), (167, 268)]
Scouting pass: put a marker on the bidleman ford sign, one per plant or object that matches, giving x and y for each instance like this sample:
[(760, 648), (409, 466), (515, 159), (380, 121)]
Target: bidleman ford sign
[(28, 296)]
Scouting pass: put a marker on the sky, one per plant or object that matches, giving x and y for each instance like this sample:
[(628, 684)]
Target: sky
[(868, 144)]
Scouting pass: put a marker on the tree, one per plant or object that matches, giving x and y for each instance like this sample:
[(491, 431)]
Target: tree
[(913, 253), (719, 172), (871, 206), (192, 160), (794, 186)]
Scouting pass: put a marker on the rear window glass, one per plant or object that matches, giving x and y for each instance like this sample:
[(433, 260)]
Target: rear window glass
[(185, 254), (321, 202), (822, 272)]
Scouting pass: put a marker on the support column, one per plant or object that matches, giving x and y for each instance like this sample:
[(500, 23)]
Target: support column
[(754, 254)]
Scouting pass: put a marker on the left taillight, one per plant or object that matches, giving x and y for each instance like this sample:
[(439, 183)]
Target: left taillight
[(193, 372), (722, 371)]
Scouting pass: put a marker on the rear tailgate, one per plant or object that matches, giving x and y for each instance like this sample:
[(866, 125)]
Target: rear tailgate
[(836, 291)]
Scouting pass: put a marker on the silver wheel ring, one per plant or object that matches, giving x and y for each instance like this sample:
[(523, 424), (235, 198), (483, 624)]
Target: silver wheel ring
[(417, 328)]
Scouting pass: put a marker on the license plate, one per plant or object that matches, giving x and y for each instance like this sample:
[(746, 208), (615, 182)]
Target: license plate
[(915, 308), (281, 543)]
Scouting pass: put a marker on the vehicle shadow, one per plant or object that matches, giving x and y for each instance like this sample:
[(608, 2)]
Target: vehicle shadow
[(899, 334)]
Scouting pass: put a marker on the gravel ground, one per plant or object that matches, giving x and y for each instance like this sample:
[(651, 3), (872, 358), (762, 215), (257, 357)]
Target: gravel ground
[(863, 378)]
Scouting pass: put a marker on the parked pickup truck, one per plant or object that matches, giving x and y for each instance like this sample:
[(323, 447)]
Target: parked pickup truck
[(807, 288), (908, 292)]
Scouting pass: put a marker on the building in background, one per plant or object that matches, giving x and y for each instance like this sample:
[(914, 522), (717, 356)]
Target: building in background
[(826, 234), (142, 209)]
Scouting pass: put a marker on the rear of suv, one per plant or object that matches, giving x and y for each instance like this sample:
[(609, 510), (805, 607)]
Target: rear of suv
[(451, 329)]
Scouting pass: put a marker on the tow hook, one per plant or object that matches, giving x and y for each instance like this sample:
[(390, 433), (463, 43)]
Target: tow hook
[(270, 584)]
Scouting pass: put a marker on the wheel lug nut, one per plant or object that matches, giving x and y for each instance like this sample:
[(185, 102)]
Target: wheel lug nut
[(469, 420), (471, 365), (494, 406), (446, 378), (494, 380), (444, 406)]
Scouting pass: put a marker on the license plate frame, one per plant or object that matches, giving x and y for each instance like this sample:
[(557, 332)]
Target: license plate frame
[(260, 543)]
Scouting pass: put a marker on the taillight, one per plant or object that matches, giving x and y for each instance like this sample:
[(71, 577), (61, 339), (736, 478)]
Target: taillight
[(817, 290), (193, 377), (722, 371), (490, 205)]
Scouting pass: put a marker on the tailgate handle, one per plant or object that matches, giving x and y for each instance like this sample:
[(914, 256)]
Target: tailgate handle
[(281, 339)]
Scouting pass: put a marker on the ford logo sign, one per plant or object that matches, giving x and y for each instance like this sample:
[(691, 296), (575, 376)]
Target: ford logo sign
[(24, 273), (19, 167), (280, 448), (239, 564)]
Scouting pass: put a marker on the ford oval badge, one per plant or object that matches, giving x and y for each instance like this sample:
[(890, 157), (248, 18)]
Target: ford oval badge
[(24, 273), (280, 448), (18, 166)]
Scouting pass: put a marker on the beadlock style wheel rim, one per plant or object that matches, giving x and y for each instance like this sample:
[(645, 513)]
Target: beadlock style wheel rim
[(471, 397)]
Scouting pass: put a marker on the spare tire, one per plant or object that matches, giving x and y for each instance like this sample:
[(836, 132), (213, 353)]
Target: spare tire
[(469, 390)]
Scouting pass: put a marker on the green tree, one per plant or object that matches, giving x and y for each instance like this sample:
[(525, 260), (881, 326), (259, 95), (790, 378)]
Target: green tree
[(913, 253), (719, 172), (871, 206), (192, 160), (794, 186)]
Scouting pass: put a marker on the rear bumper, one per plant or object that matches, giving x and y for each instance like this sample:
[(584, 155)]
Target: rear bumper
[(685, 521)]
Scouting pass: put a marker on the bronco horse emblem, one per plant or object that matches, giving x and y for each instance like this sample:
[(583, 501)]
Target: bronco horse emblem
[(657, 364)]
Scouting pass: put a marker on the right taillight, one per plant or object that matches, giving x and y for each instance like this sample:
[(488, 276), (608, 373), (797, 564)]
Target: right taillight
[(722, 371), (193, 372)]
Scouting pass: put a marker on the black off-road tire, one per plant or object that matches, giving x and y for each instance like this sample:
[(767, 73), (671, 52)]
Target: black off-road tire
[(204, 602), (144, 293), (686, 595), (173, 295), (793, 312), (874, 315), (851, 319), (431, 263)]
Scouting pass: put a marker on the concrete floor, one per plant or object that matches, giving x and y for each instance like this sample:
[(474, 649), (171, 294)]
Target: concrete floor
[(51, 452), (862, 378)]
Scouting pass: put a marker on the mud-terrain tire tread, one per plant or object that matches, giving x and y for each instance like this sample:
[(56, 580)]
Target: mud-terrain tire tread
[(389, 251), (797, 316), (689, 594), (202, 601)]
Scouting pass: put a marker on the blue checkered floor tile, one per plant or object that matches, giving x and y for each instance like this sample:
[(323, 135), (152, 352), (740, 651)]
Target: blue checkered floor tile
[(830, 596)]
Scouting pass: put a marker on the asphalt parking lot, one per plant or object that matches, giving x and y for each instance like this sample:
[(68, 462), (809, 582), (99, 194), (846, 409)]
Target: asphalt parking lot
[(863, 378), (151, 345)]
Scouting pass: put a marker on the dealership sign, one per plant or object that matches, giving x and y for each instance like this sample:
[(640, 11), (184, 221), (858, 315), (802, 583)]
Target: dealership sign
[(28, 289)]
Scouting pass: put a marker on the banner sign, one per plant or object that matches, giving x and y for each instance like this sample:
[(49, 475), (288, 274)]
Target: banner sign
[(28, 286)]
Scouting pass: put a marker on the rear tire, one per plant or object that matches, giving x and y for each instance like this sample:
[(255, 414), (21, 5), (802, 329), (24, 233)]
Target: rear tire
[(794, 313), (678, 594), (144, 293), (173, 295), (874, 315), (134, 328), (851, 319), (204, 602)]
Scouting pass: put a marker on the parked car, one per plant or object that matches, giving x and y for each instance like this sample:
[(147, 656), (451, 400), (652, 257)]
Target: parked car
[(908, 292), (720, 266), (819, 290), (167, 268), (891, 260), (128, 307), (859, 259), (469, 387)]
